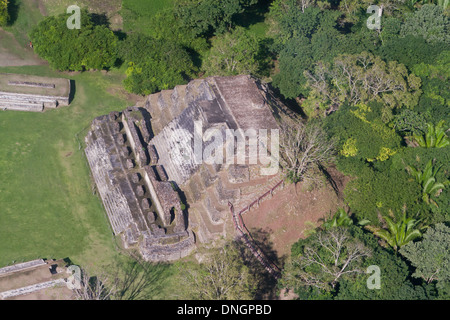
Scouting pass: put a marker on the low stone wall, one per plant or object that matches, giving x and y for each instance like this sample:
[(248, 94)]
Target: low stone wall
[(32, 93), (30, 289), (21, 266)]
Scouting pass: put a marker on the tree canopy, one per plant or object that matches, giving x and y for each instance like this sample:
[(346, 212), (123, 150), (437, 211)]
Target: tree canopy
[(90, 47)]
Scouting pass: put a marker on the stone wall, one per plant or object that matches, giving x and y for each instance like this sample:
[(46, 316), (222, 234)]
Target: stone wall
[(19, 93), (143, 209)]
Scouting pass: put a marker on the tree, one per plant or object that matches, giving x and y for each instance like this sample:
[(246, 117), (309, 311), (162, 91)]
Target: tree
[(409, 122), (205, 16), (324, 259), (4, 15), (395, 279), (154, 64), (434, 137), (361, 78), (431, 255), (221, 276), (428, 22), (427, 179), (304, 148), (98, 287), (233, 53), (339, 219), (398, 233), (91, 47)]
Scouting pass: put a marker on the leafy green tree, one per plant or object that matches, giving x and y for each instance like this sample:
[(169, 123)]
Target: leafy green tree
[(410, 50), (398, 232), (233, 53), (377, 191), (409, 122), (164, 25), (362, 134), (154, 65), (395, 282), (361, 78), (205, 16), (221, 276), (301, 38), (90, 47), (428, 22), (324, 259), (431, 255), (4, 15)]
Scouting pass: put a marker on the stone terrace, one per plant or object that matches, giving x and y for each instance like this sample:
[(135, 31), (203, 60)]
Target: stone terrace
[(142, 161), (223, 103), (32, 93), (142, 208)]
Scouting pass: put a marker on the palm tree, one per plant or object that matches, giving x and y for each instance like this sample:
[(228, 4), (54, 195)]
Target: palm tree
[(398, 233), (427, 179), (435, 136), (339, 219)]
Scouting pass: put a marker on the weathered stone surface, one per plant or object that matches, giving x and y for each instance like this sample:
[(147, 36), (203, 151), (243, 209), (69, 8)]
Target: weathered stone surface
[(32, 93), (140, 191), (160, 137), (145, 204), (238, 174)]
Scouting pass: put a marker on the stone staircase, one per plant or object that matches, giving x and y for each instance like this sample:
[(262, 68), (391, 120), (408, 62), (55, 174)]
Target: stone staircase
[(16, 105), (25, 102)]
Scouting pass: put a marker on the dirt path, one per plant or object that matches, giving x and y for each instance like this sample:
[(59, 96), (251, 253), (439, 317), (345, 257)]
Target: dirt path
[(282, 220)]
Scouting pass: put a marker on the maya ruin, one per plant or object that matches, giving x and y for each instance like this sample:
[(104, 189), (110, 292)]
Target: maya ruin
[(32, 93), (156, 197)]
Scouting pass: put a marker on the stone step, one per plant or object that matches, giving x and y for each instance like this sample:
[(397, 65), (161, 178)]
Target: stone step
[(178, 97), (165, 106), (152, 106), (31, 289), (21, 266), (26, 98), (21, 105)]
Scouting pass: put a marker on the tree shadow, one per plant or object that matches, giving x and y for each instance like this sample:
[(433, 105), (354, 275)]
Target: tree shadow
[(73, 90), (253, 15), (100, 19), (267, 284), (13, 11), (139, 280)]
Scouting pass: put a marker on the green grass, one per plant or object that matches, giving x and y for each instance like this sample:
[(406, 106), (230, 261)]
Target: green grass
[(47, 206), (137, 13), (55, 7), (26, 16)]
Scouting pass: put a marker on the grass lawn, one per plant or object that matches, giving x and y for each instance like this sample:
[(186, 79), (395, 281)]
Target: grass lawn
[(48, 209), (47, 206)]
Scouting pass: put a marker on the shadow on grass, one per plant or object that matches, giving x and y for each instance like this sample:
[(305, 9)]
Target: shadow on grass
[(13, 11), (73, 90), (267, 284)]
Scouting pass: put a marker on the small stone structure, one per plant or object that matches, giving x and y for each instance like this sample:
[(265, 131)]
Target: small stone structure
[(32, 277), (143, 164), (32, 93)]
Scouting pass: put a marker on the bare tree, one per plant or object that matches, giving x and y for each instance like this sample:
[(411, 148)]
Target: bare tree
[(222, 275), (331, 255), (304, 147), (130, 278), (98, 287)]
